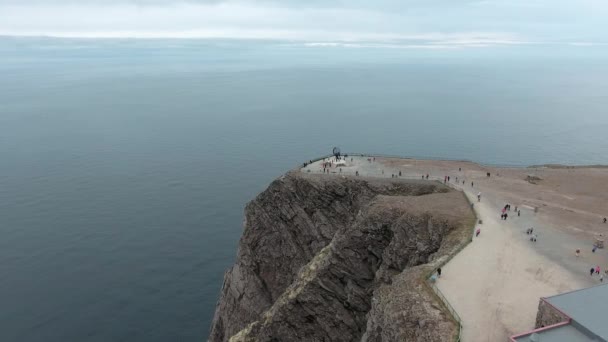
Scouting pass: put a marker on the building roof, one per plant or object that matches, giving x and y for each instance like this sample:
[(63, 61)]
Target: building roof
[(564, 333), (586, 308)]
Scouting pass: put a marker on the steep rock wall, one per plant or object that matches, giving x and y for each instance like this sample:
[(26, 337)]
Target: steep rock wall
[(315, 249)]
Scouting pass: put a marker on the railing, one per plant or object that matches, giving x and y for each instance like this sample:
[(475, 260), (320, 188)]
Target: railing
[(451, 310), (438, 292), (434, 158), (442, 298), (452, 254)]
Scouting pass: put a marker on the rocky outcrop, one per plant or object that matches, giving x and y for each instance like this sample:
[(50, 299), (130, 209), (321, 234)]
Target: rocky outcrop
[(548, 315), (533, 179), (406, 310), (322, 256)]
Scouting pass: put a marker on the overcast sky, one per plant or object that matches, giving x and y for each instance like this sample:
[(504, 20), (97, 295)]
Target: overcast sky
[(441, 22)]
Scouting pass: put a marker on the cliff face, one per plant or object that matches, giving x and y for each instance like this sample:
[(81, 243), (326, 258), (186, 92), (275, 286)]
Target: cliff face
[(325, 258)]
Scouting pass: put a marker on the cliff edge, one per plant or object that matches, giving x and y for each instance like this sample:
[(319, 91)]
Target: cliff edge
[(332, 258)]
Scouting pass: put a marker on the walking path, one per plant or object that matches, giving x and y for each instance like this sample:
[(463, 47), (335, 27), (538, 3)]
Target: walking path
[(495, 283)]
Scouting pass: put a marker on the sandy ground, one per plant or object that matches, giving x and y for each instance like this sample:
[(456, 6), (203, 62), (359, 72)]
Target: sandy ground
[(495, 283)]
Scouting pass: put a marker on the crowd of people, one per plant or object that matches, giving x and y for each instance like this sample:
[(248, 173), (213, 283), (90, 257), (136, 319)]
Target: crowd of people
[(328, 163)]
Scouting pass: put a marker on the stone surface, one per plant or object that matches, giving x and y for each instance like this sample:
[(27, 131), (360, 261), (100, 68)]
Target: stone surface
[(548, 315), (322, 256), (407, 311)]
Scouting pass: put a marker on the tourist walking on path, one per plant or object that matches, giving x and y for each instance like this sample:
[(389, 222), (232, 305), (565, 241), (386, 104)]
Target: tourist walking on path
[(471, 184), (578, 253), (597, 269), (591, 271), (479, 197), (477, 232), (439, 272)]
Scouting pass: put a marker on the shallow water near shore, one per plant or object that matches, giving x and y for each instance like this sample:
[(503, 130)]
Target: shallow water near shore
[(125, 165)]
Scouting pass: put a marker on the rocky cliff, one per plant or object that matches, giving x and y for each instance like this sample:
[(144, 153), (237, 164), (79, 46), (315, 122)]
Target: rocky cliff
[(330, 258)]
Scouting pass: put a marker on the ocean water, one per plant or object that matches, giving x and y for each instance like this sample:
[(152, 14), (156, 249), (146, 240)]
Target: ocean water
[(125, 164)]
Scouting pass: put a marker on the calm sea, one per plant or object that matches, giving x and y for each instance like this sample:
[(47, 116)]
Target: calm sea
[(125, 164)]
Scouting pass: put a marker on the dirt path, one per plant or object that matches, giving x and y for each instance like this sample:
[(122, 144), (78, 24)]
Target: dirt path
[(496, 282)]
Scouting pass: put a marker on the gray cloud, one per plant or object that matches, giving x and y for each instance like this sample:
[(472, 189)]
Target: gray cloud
[(436, 20)]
